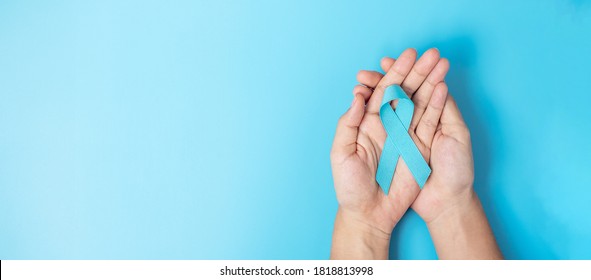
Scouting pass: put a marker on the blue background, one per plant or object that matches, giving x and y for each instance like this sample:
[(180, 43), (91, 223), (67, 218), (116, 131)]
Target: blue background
[(198, 130)]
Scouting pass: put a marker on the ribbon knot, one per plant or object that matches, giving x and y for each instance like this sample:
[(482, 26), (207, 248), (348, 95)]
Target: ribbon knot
[(398, 142)]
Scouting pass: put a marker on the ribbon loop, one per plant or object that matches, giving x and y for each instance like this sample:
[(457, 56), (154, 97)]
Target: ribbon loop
[(398, 142)]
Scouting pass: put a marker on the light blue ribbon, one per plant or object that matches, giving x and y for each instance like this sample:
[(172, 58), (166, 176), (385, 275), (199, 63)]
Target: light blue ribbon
[(398, 142)]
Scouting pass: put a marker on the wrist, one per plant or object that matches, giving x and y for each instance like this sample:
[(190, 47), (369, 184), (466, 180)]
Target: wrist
[(355, 238), (461, 231), (455, 208), (441, 204)]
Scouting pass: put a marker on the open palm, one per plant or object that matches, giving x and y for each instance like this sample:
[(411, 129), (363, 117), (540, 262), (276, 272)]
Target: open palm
[(448, 152), (452, 165), (360, 137)]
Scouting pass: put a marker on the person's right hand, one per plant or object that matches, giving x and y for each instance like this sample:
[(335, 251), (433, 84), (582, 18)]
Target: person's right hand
[(452, 177)]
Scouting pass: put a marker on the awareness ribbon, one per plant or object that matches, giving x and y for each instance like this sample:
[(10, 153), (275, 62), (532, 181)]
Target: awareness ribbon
[(398, 142)]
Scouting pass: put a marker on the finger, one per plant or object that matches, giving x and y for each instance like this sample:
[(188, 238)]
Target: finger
[(345, 140), (423, 95), (430, 119), (362, 90), (386, 63), (372, 78), (369, 78), (395, 76), (420, 70)]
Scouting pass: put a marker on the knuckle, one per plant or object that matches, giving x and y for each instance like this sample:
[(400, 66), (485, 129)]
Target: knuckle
[(429, 123), (395, 71), (381, 87)]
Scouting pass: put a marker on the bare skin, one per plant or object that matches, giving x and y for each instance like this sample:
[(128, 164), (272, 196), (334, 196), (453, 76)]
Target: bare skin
[(447, 203)]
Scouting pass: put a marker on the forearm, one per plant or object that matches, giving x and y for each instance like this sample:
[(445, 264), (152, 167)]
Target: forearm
[(462, 231), (354, 238)]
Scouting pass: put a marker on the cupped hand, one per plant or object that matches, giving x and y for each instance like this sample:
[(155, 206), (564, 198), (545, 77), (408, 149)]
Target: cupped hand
[(452, 177), (360, 137), (448, 152)]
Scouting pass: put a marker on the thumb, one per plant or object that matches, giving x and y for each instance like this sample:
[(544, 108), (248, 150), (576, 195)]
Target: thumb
[(452, 123), (345, 140), (451, 113)]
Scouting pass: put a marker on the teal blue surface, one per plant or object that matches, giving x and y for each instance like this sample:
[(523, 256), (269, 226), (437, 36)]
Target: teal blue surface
[(201, 129)]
